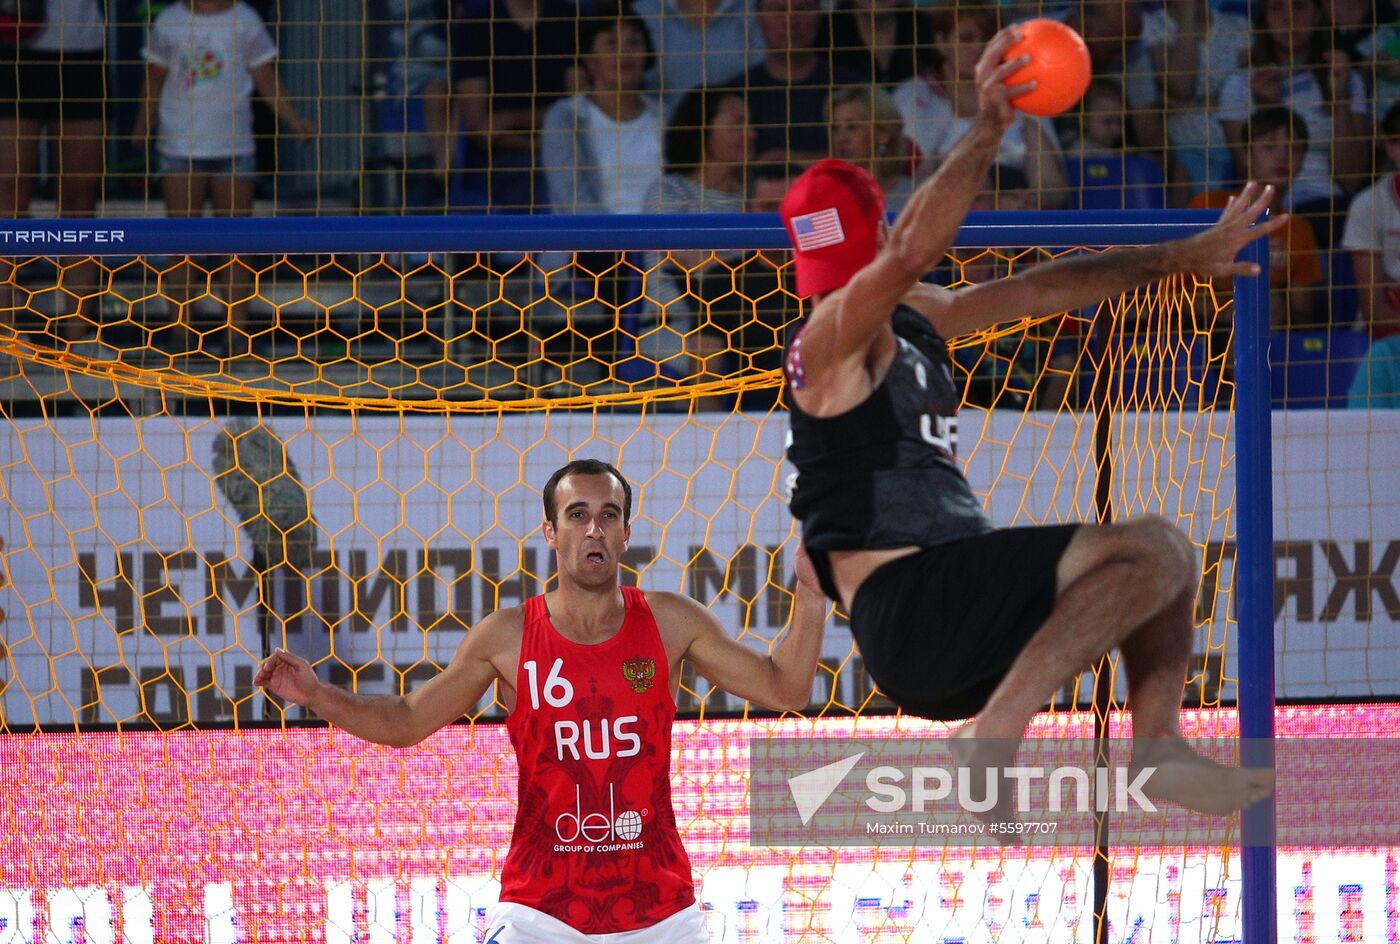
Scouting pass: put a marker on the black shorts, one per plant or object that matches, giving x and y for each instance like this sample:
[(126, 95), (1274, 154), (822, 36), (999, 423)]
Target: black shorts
[(45, 86), (939, 629)]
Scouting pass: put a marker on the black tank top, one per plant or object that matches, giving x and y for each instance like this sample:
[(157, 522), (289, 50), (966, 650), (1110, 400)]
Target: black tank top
[(884, 474)]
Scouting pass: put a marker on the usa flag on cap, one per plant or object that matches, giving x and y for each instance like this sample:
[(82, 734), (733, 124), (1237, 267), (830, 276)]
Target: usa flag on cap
[(817, 230)]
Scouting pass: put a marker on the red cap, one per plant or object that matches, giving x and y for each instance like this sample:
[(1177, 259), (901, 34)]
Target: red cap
[(832, 214)]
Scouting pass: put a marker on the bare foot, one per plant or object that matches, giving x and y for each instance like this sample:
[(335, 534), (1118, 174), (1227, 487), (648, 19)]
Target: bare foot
[(984, 759), (1187, 779)]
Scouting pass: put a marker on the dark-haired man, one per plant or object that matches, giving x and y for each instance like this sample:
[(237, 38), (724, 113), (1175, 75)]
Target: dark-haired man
[(589, 672), (786, 93)]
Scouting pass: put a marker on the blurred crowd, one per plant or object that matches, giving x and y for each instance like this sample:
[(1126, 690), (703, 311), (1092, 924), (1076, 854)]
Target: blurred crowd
[(686, 106)]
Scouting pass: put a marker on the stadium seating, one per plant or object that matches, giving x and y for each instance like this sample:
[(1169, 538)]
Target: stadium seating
[(1314, 369), (1115, 182)]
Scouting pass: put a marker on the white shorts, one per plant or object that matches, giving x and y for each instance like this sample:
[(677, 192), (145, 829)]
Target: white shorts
[(510, 923)]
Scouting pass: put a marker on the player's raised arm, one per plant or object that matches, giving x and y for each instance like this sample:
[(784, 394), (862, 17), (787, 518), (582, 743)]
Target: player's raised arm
[(781, 681), (877, 272), (926, 228), (1074, 282), (393, 720)]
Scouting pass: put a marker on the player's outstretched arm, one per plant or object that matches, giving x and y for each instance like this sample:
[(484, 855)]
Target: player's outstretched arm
[(781, 681), (1074, 282), (394, 720)]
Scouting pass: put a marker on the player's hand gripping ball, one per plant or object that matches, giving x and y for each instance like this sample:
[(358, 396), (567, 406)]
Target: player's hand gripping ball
[(1059, 67)]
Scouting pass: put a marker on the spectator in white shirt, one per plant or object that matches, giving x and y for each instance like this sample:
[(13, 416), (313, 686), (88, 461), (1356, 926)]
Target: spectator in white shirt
[(601, 153), (1293, 64), (1372, 236), (204, 58), (601, 149), (708, 145)]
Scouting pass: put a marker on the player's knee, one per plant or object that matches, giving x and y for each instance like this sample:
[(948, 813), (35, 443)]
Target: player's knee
[(1171, 550), (1153, 548)]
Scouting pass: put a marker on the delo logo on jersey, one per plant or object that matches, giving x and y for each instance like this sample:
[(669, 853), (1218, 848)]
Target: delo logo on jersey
[(598, 831)]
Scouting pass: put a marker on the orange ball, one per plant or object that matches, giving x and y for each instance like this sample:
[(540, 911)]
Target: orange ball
[(1059, 66)]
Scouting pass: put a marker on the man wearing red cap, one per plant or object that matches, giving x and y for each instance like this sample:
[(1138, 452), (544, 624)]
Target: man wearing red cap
[(892, 525)]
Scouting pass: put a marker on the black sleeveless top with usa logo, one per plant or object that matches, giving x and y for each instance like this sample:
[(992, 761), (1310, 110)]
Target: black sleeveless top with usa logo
[(885, 473)]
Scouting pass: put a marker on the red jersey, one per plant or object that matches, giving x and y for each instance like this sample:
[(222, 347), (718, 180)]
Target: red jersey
[(595, 842)]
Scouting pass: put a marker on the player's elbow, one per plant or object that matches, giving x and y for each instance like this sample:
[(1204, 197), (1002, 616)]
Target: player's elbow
[(399, 738), (399, 728), (794, 703), (788, 697), (911, 256), (780, 703)]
